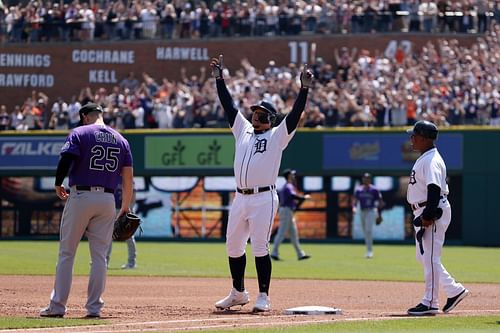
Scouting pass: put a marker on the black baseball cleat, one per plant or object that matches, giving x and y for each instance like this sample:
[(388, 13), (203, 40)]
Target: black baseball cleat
[(304, 257), (93, 316), (422, 310), (452, 302), (275, 257)]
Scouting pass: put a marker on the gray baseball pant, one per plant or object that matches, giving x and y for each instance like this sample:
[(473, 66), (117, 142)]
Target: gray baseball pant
[(92, 214)]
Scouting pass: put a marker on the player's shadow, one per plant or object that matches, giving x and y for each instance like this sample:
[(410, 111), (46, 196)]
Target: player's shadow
[(404, 315)]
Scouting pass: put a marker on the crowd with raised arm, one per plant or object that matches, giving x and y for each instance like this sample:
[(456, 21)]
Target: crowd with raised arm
[(39, 21), (444, 82)]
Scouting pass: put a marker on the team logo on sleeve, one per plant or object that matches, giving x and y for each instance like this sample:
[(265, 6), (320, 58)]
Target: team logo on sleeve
[(412, 181), (260, 146), (65, 147)]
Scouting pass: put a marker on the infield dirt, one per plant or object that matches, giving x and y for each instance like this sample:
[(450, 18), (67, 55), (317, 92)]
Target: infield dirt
[(170, 304)]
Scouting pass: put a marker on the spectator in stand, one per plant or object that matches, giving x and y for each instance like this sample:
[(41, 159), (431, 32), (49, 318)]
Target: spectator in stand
[(5, 118), (149, 20), (8, 20), (185, 21), (73, 115), (482, 15), (33, 21), (344, 61), (74, 21), (429, 11), (168, 18), (295, 26), (133, 23), (87, 22), (130, 82), (16, 118), (283, 19), (59, 119), (494, 111)]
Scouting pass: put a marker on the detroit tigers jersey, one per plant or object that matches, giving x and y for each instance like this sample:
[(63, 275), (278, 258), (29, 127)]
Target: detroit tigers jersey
[(101, 153), (429, 169), (258, 156)]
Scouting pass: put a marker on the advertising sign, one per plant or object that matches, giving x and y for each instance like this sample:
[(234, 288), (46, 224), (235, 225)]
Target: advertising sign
[(384, 151), (29, 152), (189, 152)]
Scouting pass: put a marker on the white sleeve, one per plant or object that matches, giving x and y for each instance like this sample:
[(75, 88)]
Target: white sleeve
[(240, 126)]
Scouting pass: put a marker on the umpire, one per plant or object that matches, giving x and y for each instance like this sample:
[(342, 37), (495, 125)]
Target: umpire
[(96, 158)]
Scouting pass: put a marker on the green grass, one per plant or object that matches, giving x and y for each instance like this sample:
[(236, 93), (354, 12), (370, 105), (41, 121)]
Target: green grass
[(21, 322), (329, 261), (437, 324)]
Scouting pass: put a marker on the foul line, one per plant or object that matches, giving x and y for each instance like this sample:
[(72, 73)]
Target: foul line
[(107, 328)]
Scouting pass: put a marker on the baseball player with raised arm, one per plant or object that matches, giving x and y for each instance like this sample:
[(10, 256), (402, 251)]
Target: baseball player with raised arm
[(96, 157), (427, 195), (258, 150)]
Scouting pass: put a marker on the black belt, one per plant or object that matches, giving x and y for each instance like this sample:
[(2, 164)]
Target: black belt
[(89, 188), (247, 191), (423, 204)]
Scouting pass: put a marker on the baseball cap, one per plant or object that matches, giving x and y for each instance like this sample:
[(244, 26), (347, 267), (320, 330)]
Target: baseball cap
[(287, 172), (86, 109)]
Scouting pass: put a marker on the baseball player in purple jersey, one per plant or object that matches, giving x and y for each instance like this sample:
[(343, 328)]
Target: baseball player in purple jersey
[(289, 201), (96, 158), (258, 150), (370, 204)]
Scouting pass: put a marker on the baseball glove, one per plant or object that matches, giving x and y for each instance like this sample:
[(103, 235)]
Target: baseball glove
[(379, 220), (125, 226)]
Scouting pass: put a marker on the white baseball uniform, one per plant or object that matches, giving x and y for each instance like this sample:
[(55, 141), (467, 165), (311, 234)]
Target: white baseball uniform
[(256, 164), (431, 169)]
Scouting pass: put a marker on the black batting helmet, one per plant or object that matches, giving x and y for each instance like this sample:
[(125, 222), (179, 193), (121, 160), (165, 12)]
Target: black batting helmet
[(269, 108), (425, 129)]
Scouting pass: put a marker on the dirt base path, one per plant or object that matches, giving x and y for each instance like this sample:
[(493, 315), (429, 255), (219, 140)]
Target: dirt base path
[(171, 304)]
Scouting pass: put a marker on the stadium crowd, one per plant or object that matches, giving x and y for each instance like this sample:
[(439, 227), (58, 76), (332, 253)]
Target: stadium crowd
[(39, 20), (444, 82)]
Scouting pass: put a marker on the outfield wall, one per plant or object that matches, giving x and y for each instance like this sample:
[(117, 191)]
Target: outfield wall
[(470, 155)]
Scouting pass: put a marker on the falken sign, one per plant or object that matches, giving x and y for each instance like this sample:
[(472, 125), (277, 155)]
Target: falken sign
[(33, 152)]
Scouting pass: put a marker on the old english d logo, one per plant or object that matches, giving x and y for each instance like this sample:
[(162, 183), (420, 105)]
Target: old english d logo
[(260, 146)]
